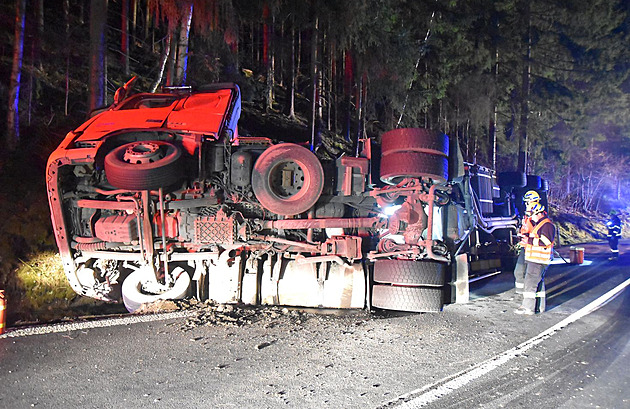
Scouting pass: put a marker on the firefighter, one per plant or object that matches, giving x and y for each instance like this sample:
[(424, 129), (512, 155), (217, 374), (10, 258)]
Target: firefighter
[(614, 234), (538, 256), (529, 198)]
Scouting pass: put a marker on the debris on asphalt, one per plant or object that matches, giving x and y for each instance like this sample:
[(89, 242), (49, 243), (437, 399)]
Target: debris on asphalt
[(212, 313)]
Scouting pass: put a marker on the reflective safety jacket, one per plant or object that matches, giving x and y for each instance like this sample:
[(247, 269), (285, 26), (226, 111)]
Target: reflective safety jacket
[(614, 227), (539, 248), (526, 227)]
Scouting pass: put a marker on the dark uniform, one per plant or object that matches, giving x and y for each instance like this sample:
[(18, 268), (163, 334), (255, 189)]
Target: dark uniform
[(614, 234)]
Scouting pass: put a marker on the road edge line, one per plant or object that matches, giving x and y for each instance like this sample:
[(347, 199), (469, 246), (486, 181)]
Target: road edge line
[(100, 323), (432, 392)]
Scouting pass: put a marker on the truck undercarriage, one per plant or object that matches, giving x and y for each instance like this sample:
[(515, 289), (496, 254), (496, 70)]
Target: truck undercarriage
[(158, 197)]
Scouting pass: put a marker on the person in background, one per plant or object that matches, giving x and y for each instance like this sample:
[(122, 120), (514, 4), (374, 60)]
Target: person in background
[(529, 198), (614, 234), (538, 256)]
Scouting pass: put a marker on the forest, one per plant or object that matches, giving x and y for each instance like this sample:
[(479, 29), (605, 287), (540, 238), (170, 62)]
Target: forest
[(548, 79), (541, 86)]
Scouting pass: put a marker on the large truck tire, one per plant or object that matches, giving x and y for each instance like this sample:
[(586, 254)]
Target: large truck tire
[(411, 299), (544, 185), (401, 165), (414, 140), (287, 196), (534, 182), (144, 165), (408, 272), (134, 296), (508, 180)]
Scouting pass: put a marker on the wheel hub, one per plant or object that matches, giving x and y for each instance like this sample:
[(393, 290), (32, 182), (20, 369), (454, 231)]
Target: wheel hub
[(142, 153), (287, 179)]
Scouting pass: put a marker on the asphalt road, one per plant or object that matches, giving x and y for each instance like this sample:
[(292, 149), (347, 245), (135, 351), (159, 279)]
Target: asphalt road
[(478, 354)]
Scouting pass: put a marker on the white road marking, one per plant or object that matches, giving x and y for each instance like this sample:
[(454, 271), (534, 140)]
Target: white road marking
[(102, 323), (434, 391)]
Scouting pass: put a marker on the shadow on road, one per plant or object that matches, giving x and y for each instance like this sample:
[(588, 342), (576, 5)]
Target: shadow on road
[(564, 281)]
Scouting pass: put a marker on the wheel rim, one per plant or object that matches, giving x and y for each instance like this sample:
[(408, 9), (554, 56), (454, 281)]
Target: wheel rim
[(142, 153), (144, 165), (286, 179)]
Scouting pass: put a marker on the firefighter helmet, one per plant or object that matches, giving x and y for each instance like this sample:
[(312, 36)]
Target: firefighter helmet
[(531, 196), (536, 208)]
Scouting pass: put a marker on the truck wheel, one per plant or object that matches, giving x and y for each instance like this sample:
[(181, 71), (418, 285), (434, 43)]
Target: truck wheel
[(134, 295), (400, 165), (412, 299), (287, 179), (508, 180), (144, 165), (544, 185), (533, 182), (407, 272), (414, 140)]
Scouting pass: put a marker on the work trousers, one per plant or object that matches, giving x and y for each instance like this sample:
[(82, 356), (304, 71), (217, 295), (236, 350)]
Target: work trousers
[(534, 287), (519, 272), (613, 242)]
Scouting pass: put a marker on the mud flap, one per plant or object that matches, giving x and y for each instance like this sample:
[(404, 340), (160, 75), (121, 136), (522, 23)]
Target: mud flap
[(460, 291), (345, 286), (224, 279), (323, 285)]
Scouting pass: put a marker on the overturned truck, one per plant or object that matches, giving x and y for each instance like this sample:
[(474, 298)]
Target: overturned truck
[(158, 197)]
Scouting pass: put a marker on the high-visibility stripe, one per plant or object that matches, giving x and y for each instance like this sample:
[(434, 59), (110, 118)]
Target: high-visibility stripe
[(535, 252), (527, 226), (532, 294), (519, 285)]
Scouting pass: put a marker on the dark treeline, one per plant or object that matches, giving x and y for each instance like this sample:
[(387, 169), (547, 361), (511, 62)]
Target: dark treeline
[(548, 78)]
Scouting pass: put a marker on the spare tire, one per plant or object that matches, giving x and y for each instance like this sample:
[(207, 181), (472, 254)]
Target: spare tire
[(287, 179), (508, 180), (144, 165), (400, 165), (544, 185), (533, 182), (414, 140), (134, 295)]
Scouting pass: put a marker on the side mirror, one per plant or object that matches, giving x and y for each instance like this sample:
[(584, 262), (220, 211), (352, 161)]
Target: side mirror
[(121, 93)]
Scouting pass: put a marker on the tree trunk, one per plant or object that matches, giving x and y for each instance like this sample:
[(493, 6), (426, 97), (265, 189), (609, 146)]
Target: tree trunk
[(147, 21), (134, 17), (34, 86), (314, 83), (13, 117), (182, 49), (293, 73), (348, 80), (66, 17), (268, 57), (124, 37), (172, 57), (522, 141), (166, 51), (98, 47)]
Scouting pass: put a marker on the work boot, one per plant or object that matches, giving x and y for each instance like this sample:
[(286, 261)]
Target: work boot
[(523, 311)]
